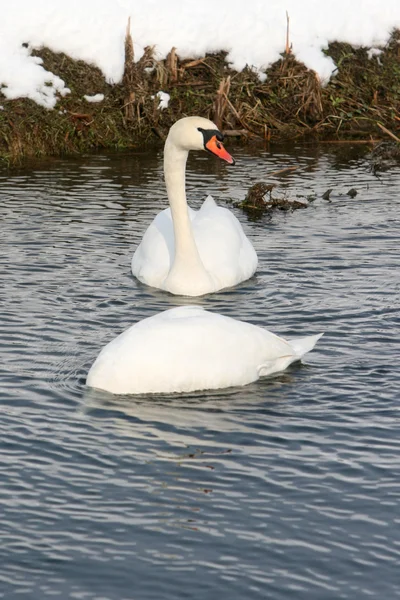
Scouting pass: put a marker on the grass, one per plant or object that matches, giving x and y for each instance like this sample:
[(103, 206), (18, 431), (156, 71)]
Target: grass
[(360, 103)]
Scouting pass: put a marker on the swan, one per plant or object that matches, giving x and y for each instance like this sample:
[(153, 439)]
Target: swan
[(189, 252), (188, 348)]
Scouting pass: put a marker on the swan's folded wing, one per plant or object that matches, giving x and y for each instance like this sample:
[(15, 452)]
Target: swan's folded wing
[(223, 246), (275, 365), (152, 259)]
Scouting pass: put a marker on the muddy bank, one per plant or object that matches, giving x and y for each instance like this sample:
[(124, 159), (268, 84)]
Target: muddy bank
[(360, 103)]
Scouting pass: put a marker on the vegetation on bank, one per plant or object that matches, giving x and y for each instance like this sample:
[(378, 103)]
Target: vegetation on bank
[(361, 102)]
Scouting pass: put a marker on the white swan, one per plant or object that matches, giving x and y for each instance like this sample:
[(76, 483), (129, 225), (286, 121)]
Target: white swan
[(187, 252), (186, 349)]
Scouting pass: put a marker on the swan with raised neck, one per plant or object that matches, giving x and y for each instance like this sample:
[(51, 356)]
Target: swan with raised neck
[(187, 273)]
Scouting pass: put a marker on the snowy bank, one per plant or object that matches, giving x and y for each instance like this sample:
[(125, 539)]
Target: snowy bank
[(252, 32)]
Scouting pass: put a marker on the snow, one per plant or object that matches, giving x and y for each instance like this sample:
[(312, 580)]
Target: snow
[(253, 32), (95, 98), (373, 52), (164, 100)]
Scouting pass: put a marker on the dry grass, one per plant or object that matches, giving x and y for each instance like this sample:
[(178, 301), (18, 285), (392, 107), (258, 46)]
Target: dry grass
[(360, 103)]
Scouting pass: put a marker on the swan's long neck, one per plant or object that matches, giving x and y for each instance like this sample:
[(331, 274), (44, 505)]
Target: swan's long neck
[(187, 261)]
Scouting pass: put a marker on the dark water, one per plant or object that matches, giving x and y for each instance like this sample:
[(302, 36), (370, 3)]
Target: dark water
[(289, 487)]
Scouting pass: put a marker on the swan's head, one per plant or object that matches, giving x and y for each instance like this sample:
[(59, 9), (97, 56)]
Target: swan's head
[(197, 133)]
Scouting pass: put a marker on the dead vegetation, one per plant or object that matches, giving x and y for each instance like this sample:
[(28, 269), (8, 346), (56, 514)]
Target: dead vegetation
[(384, 156), (360, 103), (265, 197)]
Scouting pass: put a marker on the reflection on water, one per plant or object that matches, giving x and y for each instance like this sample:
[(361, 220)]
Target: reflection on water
[(288, 486)]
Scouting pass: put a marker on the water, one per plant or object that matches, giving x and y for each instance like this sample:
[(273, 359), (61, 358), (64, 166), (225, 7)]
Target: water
[(288, 487)]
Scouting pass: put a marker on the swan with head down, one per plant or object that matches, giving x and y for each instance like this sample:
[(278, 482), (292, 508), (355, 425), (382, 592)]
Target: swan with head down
[(186, 349), (189, 252)]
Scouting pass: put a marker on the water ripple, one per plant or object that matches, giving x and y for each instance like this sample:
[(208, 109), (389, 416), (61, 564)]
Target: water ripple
[(288, 486)]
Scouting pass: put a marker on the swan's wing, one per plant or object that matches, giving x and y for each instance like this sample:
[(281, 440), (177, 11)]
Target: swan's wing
[(224, 248), (152, 258)]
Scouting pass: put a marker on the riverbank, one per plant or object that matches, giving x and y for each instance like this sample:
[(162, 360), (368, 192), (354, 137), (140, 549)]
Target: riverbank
[(360, 103)]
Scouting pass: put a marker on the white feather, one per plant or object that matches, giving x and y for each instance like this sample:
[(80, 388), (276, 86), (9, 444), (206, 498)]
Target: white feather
[(186, 349)]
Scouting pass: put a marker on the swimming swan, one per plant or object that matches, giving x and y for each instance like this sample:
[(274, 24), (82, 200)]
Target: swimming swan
[(191, 252), (186, 349)]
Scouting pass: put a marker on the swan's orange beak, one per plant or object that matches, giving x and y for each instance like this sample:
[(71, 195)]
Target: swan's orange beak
[(216, 147)]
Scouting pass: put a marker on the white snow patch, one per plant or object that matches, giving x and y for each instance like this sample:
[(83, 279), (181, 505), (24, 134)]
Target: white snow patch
[(164, 100), (95, 98), (374, 52), (253, 32)]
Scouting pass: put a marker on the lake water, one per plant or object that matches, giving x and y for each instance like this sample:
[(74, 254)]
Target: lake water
[(286, 488)]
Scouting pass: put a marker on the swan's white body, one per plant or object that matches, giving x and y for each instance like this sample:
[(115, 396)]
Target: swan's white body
[(187, 252), (225, 253), (186, 349)]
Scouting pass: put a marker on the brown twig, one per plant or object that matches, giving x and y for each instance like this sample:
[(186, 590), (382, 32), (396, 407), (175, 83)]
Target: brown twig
[(193, 63), (171, 63), (192, 84), (287, 46), (281, 171), (236, 132), (371, 141), (128, 79), (84, 116), (235, 112), (221, 101), (392, 135)]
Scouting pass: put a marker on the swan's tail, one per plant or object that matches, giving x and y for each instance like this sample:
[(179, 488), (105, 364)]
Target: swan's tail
[(299, 346), (303, 345)]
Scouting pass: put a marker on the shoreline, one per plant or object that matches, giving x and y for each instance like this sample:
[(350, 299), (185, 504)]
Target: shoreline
[(360, 104)]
